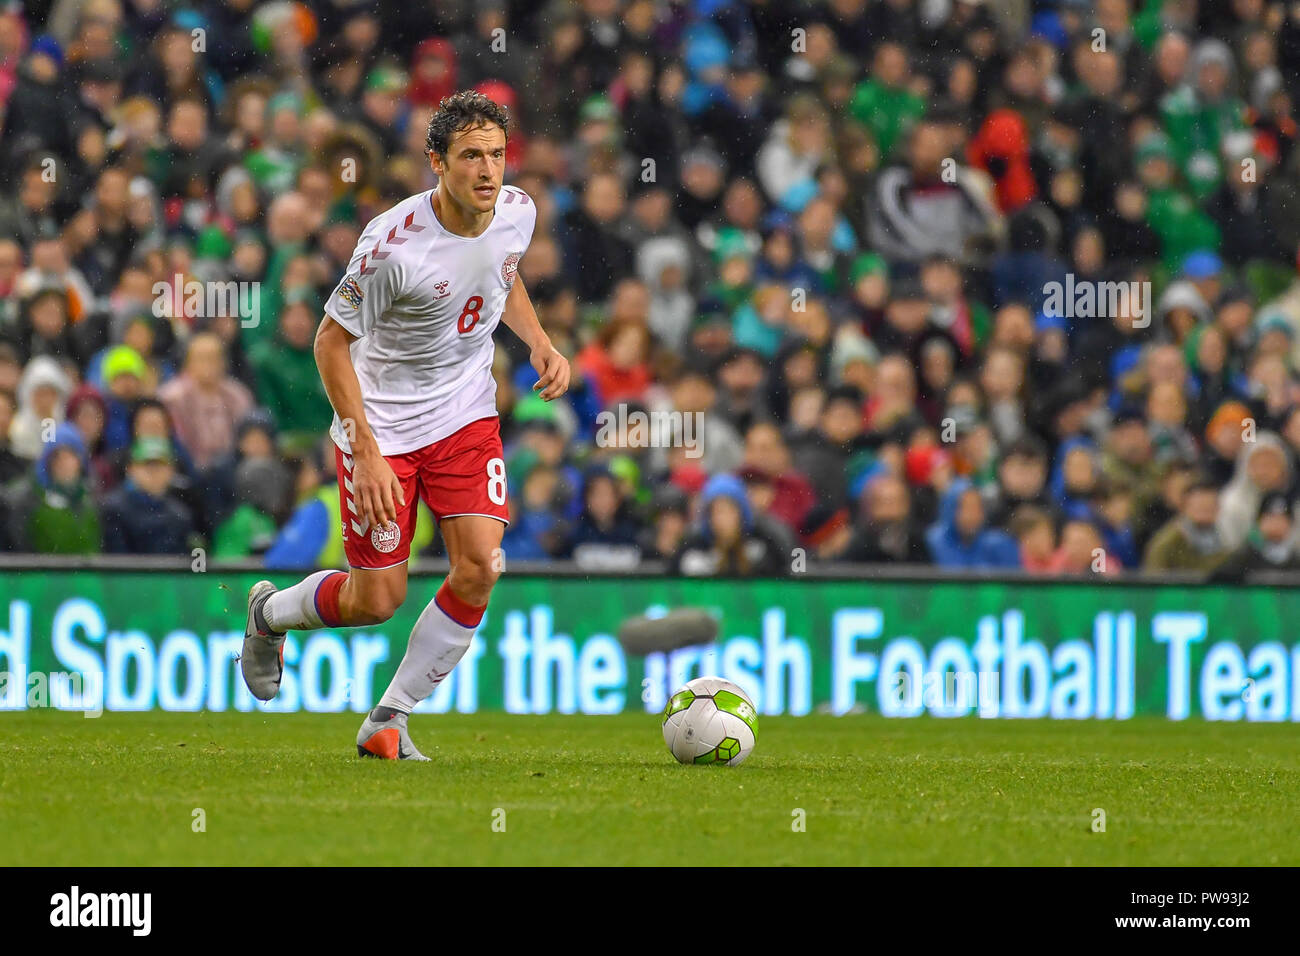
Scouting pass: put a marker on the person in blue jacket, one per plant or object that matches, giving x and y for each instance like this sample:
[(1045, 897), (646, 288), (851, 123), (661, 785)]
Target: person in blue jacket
[(962, 538), (141, 516)]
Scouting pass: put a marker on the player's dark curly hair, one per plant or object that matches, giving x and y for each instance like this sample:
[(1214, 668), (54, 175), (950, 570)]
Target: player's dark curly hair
[(461, 111)]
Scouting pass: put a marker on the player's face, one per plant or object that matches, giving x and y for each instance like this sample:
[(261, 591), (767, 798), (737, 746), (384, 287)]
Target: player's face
[(474, 167)]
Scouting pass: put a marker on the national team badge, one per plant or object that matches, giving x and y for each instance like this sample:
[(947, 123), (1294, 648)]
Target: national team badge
[(385, 540), (350, 292), (510, 268)]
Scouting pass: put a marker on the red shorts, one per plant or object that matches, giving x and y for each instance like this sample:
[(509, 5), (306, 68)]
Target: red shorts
[(463, 474)]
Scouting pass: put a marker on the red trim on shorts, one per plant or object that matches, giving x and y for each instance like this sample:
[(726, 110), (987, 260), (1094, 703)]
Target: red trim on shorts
[(327, 599), (460, 611)]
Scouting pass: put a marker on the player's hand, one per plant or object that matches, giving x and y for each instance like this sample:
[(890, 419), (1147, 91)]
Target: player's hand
[(376, 489), (552, 372)]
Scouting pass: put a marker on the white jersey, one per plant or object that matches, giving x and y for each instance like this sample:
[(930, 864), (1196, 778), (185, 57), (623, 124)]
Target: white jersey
[(424, 303)]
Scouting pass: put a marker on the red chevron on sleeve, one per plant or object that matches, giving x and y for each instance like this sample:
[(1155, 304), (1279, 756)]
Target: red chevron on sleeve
[(379, 253)]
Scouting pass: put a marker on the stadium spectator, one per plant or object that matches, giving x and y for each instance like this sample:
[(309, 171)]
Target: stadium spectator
[(726, 542), (205, 403), (42, 395), (961, 537), (288, 383), (1190, 541), (1035, 535), (886, 532), (142, 516), (1263, 467), (87, 411), (604, 536), (262, 492), (11, 463), (53, 511), (1270, 546), (537, 531)]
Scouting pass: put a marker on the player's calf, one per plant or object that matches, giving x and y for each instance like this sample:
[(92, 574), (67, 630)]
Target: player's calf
[(312, 603)]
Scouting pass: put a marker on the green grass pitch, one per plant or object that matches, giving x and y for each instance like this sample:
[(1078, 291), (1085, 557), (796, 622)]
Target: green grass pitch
[(289, 789)]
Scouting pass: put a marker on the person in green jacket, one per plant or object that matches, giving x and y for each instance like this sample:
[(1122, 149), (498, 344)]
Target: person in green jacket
[(882, 102), (1183, 227), (288, 383), (1199, 114), (52, 511), (262, 488)]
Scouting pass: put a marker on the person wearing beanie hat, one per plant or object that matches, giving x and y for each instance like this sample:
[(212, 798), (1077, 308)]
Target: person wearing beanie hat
[(123, 378), (88, 412), (38, 107), (886, 530), (1224, 437), (274, 164), (1199, 113), (1181, 224), (262, 490)]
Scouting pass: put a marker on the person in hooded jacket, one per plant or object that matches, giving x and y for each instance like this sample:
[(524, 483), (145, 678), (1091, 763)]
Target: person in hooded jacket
[(1263, 466), (727, 541), (52, 511), (961, 537), (42, 393)]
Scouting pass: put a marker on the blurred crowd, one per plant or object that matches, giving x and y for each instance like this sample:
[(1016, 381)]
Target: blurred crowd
[(826, 239)]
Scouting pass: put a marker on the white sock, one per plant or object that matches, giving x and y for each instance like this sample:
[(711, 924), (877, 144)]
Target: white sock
[(294, 608), (436, 646)]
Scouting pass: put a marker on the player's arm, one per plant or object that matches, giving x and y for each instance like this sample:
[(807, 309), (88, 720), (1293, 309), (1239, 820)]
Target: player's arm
[(552, 367), (374, 486)]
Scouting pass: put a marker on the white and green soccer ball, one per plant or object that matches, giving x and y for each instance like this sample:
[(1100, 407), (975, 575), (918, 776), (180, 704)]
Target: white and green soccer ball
[(710, 720)]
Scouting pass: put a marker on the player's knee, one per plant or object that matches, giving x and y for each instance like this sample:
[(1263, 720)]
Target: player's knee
[(375, 607), (477, 573), (380, 609)]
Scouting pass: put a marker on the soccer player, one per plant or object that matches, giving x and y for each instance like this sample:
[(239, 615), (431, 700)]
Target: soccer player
[(405, 352)]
